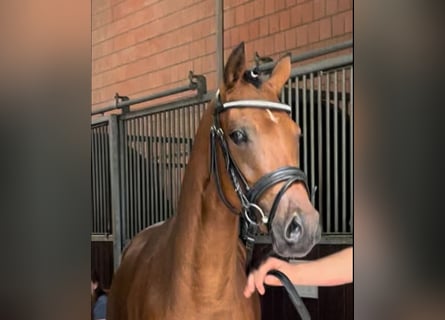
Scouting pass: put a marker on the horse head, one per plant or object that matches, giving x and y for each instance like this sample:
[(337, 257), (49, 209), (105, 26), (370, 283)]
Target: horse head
[(257, 163)]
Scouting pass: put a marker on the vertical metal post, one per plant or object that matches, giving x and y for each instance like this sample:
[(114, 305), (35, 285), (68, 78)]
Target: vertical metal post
[(351, 152), (115, 190), (219, 20)]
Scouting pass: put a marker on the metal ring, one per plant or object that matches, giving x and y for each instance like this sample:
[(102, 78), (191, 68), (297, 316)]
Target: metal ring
[(264, 218)]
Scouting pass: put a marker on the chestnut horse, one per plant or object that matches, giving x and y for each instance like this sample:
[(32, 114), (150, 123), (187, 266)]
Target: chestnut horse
[(245, 156)]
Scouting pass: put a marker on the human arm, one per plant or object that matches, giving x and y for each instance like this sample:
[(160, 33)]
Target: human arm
[(332, 270)]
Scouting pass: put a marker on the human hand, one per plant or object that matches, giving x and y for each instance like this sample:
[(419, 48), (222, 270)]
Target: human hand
[(258, 277)]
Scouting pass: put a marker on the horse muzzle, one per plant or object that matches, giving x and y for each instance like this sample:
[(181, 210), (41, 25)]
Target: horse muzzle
[(295, 232)]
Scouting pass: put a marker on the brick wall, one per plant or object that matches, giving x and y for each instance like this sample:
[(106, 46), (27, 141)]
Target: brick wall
[(141, 47)]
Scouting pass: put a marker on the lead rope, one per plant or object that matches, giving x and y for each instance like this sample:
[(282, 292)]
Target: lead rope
[(292, 293)]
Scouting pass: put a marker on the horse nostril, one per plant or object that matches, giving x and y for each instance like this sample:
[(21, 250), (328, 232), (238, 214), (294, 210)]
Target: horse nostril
[(293, 230)]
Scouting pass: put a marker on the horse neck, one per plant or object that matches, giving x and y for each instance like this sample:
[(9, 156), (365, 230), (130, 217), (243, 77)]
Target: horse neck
[(206, 231)]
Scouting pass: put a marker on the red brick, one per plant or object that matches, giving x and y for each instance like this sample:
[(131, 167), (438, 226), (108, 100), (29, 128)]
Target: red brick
[(269, 7), (314, 32), (291, 39), (254, 29), (273, 24), (249, 11), (258, 8), (290, 3), (100, 19), (348, 21), (279, 4), (296, 16), (229, 18), (243, 32), (264, 27), (100, 5), (308, 12), (102, 49), (319, 8), (284, 20), (344, 5), (210, 45), (325, 28), (331, 6), (279, 42), (338, 24), (302, 35), (240, 15), (227, 39)]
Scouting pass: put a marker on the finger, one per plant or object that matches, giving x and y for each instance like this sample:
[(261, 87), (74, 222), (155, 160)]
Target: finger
[(250, 286), (272, 281)]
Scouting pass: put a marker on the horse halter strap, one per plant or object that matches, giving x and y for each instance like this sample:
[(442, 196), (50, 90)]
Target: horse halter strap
[(247, 195)]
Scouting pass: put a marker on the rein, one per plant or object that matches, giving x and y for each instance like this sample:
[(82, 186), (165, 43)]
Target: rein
[(249, 195)]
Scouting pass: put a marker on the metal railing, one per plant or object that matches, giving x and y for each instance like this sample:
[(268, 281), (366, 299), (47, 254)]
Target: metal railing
[(139, 157)]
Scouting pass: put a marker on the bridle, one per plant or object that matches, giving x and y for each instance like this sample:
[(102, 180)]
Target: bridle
[(249, 195)]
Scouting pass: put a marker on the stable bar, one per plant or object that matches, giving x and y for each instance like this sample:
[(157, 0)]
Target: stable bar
[(137, 195), (305, 149), (95, 180), (328, 155), (131, 175), (115, 191), (335, 152), (343, 147), (156, 177), (320, 148), (124, 179), (162, 94), (310, 54), (312, 135), (351, 152), (152, 172)]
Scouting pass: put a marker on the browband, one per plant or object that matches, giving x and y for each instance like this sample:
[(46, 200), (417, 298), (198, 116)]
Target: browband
[(252, 104)]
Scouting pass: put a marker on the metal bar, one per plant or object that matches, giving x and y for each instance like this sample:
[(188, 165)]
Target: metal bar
[(305, 165), (312, 134), (320, 148), (162, 94), (152, 159), (325, 65), (170, 167), (132, 177), (297, 99), (163, 166), (105, 238), (289, 91), (168, 106), (310, 54), (101, 180), (144, 156), (94, 179), (351, 152), (176, 162), (156, 177), (328, 155), (219, 20), (115, 190), (124, 178), (343, 147), (335, 152), (137, 194)]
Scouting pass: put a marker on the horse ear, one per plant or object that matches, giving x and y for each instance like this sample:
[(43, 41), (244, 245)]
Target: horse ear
[(280, 74), (235, 66)]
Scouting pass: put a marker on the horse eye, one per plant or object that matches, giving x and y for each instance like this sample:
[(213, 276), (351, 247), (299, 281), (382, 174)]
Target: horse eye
[(238, 136)]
